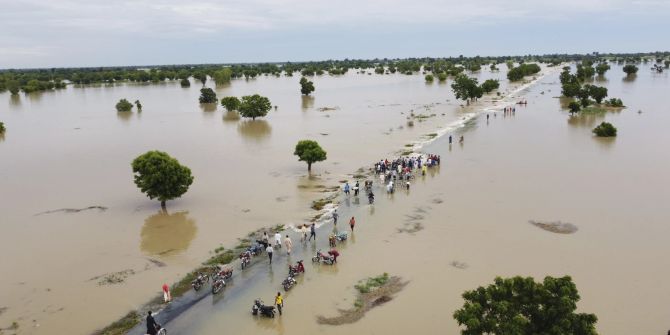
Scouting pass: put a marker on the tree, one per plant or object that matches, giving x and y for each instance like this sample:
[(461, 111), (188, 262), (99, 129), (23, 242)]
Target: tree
[(517, 73), (522, 306), (466, 88), (2, 128), (601, 68), (138, 104), (585, 71), (309, 152), (222, 76), (230, 103), (605, 129), (493, 67), (630, 69), (490, 85), (614, 102), (442, 77), (13, 86), (306, 86), (583, 96), (185, 83), (574, 107), (598, 93), (161, 176), (207, 96), (123, 106), (254, 106), (201, 76), (429, 78)]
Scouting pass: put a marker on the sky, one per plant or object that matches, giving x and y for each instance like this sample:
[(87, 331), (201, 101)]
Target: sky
[(82, 33)]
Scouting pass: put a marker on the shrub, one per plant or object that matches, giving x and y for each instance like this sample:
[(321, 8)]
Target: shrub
[(630, 69), (124, 105), (207, 96), (605, 129), (614, 102), (574, 106), (429, 78), (185, 83)]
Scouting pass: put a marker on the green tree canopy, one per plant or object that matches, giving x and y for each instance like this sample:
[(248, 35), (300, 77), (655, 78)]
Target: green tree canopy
[(306, 86), (574, 106), (522, 306), (2, 128), (490, 85), (138, 104), (442, 77), (605, 129), (254, 106), (222, 76), (598, 93), (517, 73), (310, 152), (160, 176), (185, 83), (230, 103), (124, 106), (630, 69), (466, 88), (429, 78), (601, 68), (207, 96)]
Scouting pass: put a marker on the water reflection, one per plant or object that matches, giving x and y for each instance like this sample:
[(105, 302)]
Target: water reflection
[(231, 116), (254, 129), (629, 78), (167, 234), (586, 120), (307, 102), (605, 142), (124, 116), (208, 107), (15, 100)]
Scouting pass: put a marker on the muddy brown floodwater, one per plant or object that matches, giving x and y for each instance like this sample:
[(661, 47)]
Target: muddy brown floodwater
[(70, 149)]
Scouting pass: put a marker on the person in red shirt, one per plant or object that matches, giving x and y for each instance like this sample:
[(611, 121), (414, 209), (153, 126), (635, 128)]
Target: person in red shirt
[(352, 223), (334, 253), (166, 293)]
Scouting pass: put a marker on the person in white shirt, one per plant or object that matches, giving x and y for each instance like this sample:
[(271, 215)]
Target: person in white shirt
[(278, 240)]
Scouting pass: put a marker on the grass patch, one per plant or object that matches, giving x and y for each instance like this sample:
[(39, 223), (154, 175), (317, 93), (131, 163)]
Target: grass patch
[(431, 135), (121, 326), (318, 205), (224, 257), (372, 292), (593, 110)]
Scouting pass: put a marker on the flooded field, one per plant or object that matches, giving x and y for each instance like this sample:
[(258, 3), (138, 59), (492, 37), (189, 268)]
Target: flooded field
[(460, 226)]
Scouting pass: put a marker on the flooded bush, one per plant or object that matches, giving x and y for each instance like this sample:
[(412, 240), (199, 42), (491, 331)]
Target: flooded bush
[(207, 96), (124, 106), (605, 129), (2, 128)]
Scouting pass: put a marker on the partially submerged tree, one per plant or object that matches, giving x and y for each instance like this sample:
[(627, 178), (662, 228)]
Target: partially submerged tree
[(160, 176), (138, 104), (630, 69), (2, 128), (185, 83), (429, 78), (306, 86), (598, 93), (574, 107), (230, 103), (466, 88), (601, 68), (254, 106), (123, 106), (207, 96), (490, 85), (310, 152), (522, 306), (222, 76), (605, 129)]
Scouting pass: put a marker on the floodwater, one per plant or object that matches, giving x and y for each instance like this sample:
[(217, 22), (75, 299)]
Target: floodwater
[(540, 164), (70, 149)]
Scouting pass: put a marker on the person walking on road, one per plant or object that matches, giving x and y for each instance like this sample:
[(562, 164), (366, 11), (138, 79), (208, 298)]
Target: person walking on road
[(352, 223), (269, 250), (279, 301), (289, 244), (303, 231), (335, 217), (312, 231), (278, 240)]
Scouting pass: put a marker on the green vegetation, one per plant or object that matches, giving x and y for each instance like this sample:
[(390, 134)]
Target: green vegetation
[(442, 77), (185, 83), (614, 102), (122, 326), (574, 107), (372, 283), (254, 106), (318, 205), (490, 85), (429, 78), (598, 93), (2, 128), (605, 129), (630, 69), (222, 76), (522, 306), (123, 106), (207, 96), (585, 71), (310, 152), (466, 88), (601, 68), (306, 86), (230, 103), (161, 176), (493, 67), (517, 73), (138, 104)]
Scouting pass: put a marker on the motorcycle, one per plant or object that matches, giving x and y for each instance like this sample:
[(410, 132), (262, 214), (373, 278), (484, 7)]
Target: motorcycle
[(268, 311), (323, 258), (288, 283), (219, 277), (255, 249), (341, 236), (294, 270), (199, 281), (371, 198), (245, 259)]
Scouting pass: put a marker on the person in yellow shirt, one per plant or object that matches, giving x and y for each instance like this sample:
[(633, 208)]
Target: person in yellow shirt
[(279, 301)]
